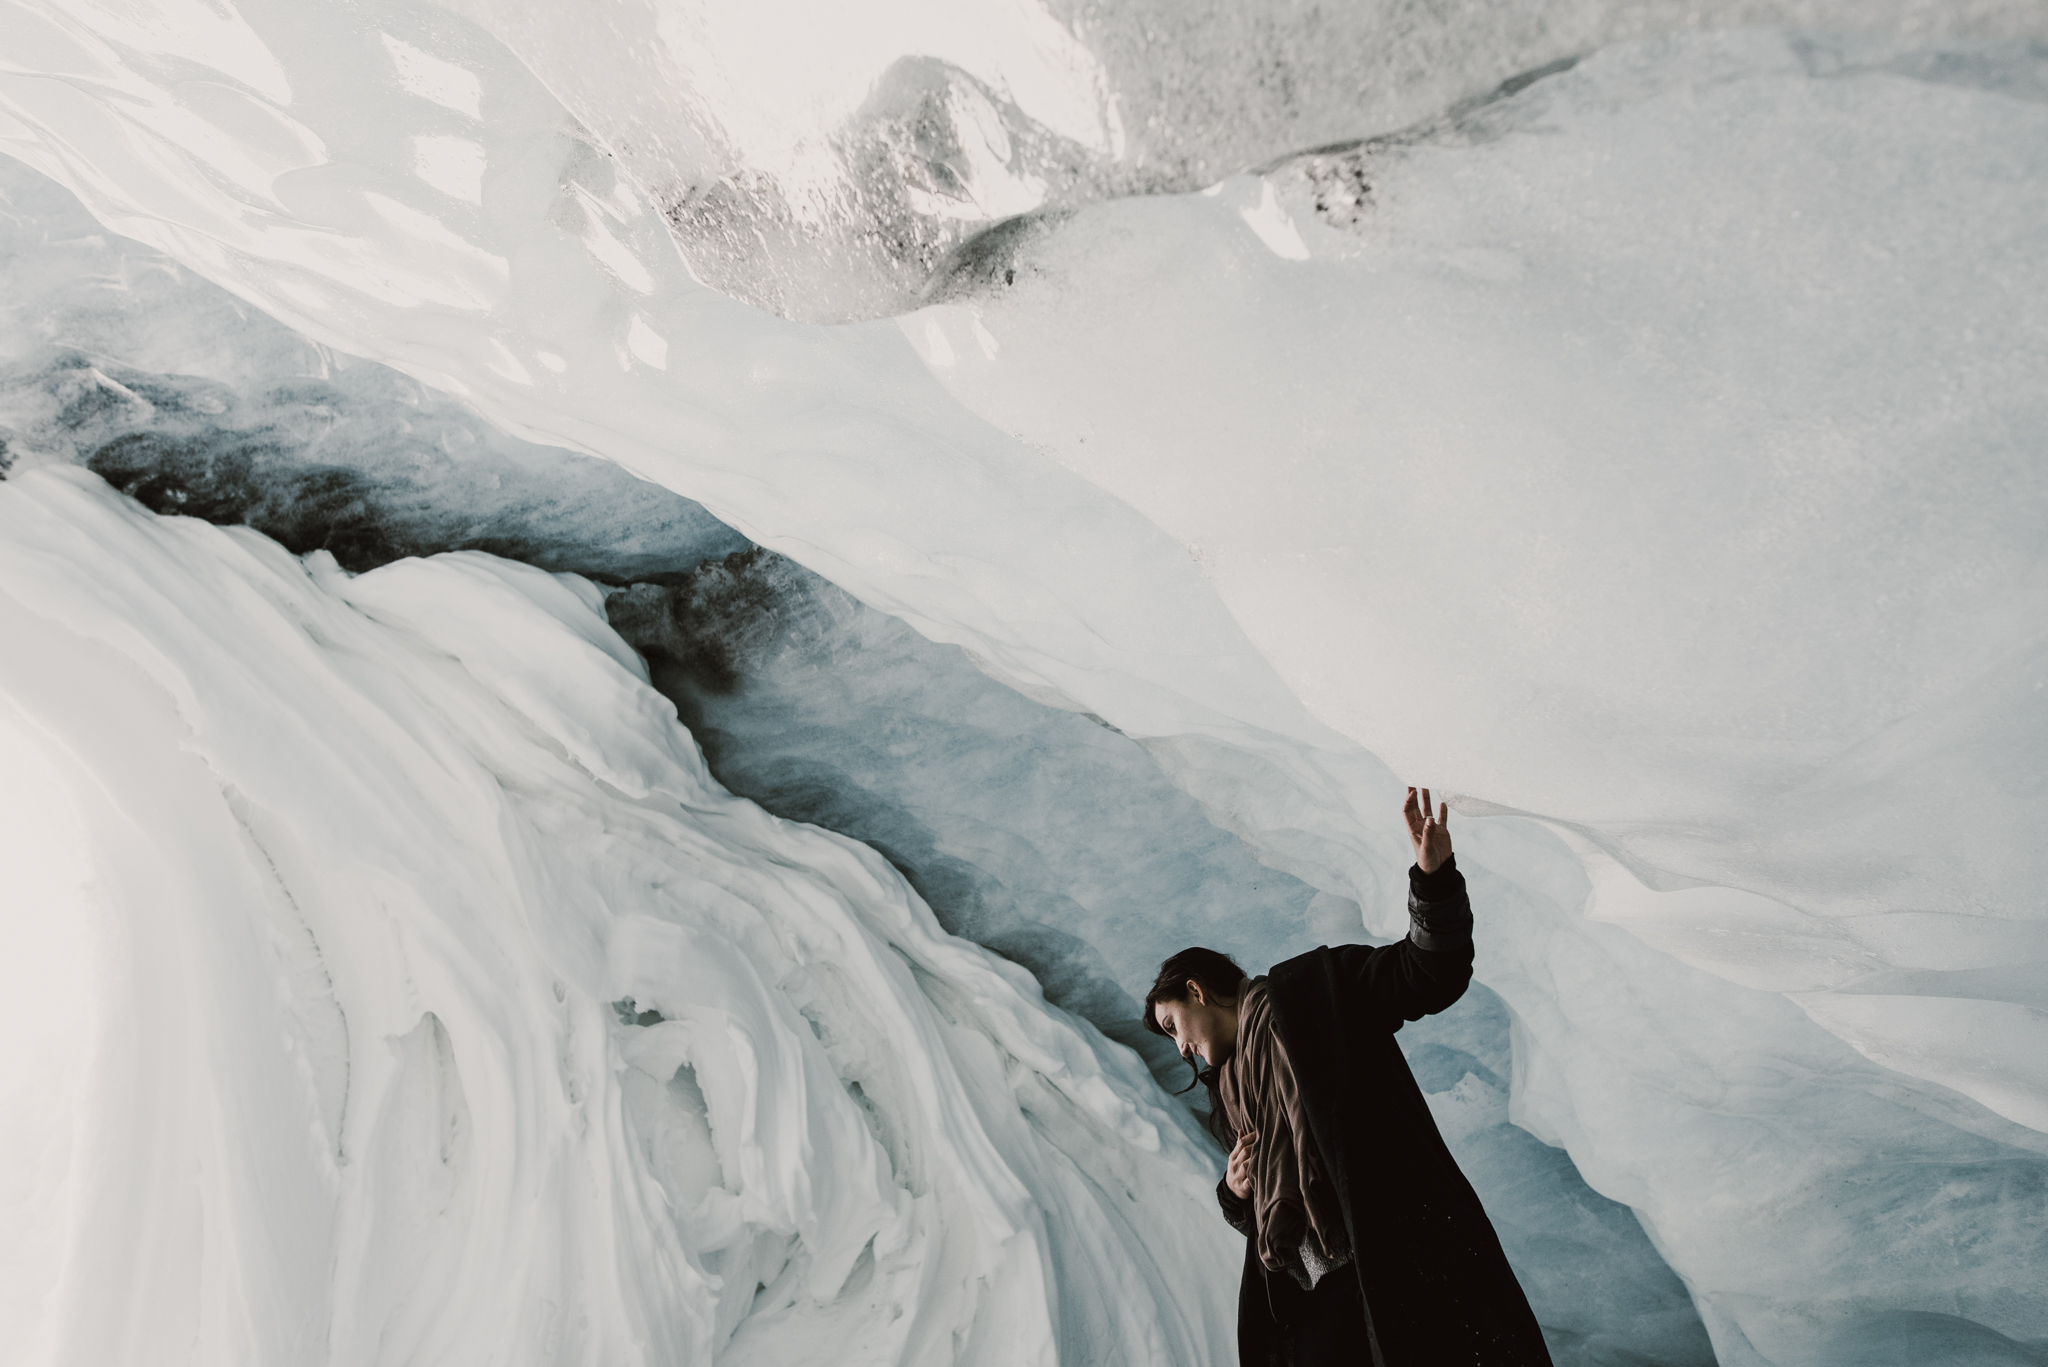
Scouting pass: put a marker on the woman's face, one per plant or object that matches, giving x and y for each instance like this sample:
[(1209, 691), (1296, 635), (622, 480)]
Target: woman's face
[(1204, 1025)]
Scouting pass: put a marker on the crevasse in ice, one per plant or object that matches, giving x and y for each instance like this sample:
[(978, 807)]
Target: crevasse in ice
[(1648, 453)]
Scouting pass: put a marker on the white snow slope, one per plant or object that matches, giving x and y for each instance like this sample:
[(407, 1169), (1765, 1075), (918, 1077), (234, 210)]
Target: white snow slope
[(1651, 456)]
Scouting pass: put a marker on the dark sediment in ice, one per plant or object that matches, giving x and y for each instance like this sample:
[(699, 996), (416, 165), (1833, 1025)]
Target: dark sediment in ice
[(365, 465)]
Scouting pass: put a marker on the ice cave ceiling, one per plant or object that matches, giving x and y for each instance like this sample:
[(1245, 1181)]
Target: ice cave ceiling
[(630, 628)]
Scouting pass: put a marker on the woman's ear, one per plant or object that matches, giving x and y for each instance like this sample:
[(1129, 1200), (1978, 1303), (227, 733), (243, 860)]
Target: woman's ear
[(1196, 995)]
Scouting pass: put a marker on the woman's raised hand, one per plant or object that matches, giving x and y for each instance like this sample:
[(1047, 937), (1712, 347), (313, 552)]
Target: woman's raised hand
[(1430, 835)]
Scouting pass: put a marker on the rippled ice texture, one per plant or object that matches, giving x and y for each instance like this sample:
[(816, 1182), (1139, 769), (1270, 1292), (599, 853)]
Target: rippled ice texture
[(449, 1012), (1659, 453)]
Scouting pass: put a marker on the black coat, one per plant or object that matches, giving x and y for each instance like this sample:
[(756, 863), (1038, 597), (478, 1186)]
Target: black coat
[(1437, 1289)]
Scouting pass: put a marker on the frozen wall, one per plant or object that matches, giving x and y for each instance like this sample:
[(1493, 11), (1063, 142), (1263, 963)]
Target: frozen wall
[(1652, 452), (1667, 440), (1040, 833), (1050, 837), (430, 1002), (114, 357)]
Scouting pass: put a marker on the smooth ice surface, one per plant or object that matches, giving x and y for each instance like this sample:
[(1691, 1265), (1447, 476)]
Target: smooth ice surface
[(1699, 387), (1651, 451)]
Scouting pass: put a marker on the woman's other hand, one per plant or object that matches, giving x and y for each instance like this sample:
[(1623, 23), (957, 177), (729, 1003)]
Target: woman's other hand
[(1239, 1176)]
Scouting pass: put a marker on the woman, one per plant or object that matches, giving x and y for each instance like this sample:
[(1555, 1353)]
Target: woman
[(1364, 1243)]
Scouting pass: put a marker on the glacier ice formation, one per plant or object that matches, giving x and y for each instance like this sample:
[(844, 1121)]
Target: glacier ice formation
[(456, 1014), (1649, 453), (1024, 828)]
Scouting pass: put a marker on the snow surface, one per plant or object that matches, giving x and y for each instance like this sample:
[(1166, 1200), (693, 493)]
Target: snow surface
[(1649, 454)]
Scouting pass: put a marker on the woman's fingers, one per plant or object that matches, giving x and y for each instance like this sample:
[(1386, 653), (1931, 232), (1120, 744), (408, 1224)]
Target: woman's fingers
[(1240, 1173)]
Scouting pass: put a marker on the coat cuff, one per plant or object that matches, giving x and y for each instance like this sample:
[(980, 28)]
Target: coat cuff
[(1237, 1211), (1439, 913)]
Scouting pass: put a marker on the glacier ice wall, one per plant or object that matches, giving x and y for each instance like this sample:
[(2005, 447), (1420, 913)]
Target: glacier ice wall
[(1698, 388), (1043, 834), (114, 357), (1660, 436), (1050, 837), (433, 997)]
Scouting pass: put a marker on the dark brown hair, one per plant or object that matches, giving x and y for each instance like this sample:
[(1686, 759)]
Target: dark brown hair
[(1217, 972), (1219, 976)]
